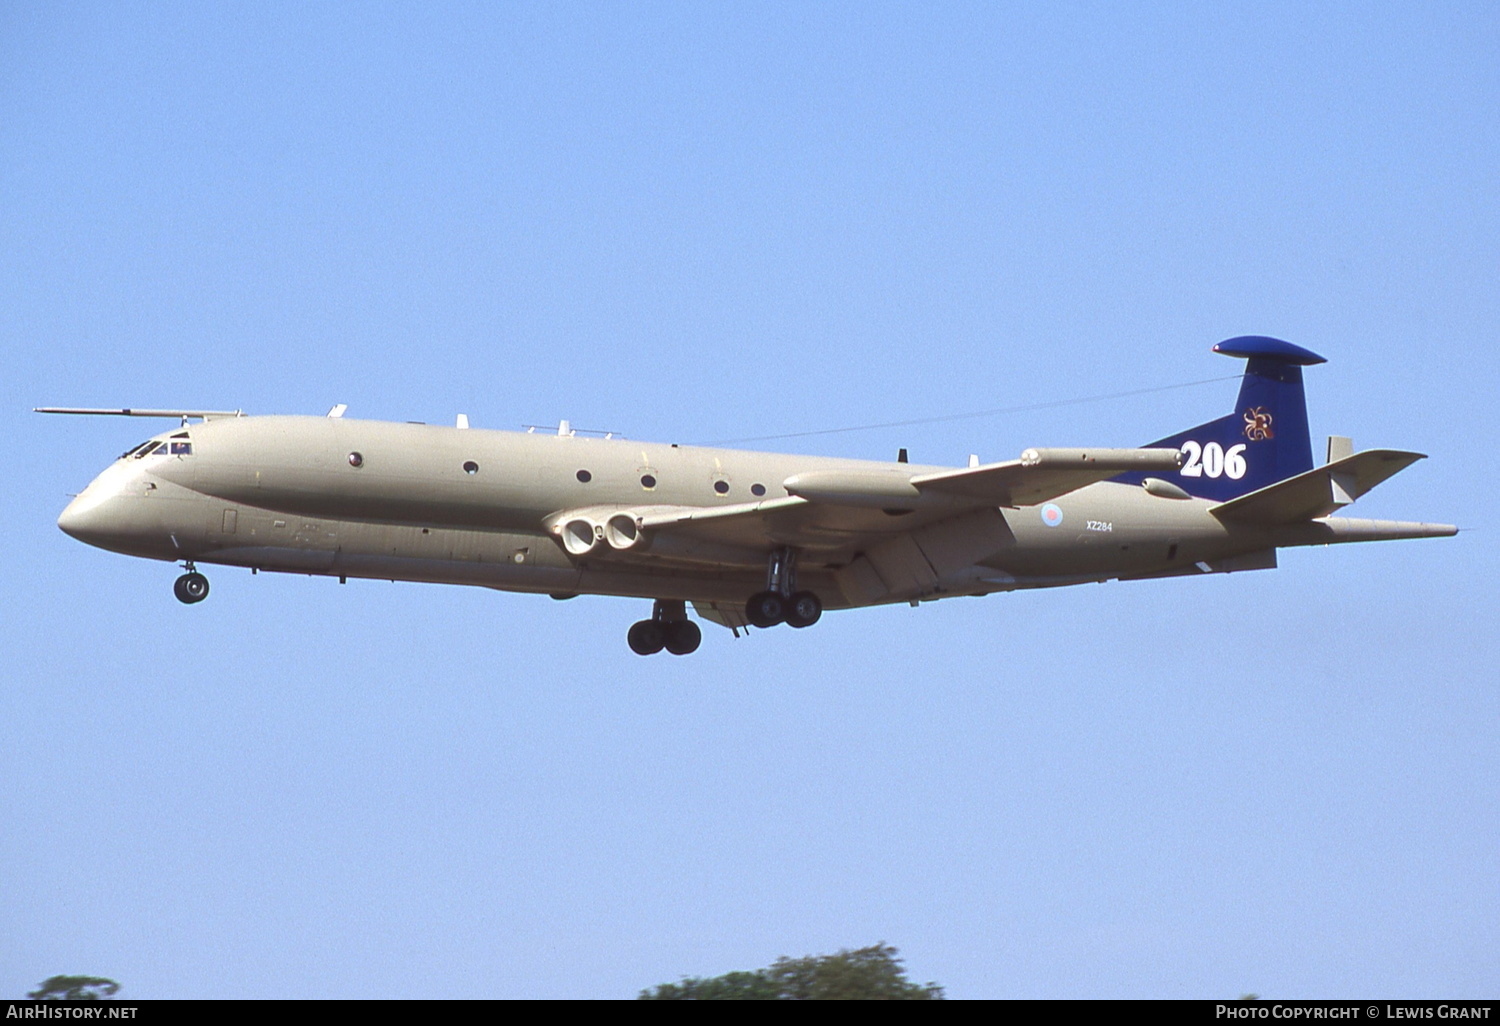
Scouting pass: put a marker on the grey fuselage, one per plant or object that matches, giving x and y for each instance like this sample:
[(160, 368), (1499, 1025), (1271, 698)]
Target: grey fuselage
[(459, 506)]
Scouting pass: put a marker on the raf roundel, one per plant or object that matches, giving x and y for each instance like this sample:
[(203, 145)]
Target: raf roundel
[(1052, 515)]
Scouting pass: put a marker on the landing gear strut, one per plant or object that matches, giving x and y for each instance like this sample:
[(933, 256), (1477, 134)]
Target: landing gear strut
[(191, 587), (668, 628), (781, 602)]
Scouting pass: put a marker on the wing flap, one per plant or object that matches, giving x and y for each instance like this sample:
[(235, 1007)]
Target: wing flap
[(814, 526)]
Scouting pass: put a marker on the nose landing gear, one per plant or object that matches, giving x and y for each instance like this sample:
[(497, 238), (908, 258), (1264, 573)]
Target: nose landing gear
[(781, 602), (668, 628), (191, 587)]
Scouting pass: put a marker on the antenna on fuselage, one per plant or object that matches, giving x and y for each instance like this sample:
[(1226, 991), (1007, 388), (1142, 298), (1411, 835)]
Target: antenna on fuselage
[(565, 429), (338, 410), (463, 422)]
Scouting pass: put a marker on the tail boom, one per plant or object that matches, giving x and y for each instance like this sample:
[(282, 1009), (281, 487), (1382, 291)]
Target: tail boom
[(1336, 530)]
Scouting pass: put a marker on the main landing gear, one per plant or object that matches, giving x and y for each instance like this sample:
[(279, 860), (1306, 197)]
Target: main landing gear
[(191, 587), (781, 602), (668, 628)]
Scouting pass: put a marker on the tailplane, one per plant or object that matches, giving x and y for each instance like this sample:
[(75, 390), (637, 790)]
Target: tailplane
[(1265, 439)]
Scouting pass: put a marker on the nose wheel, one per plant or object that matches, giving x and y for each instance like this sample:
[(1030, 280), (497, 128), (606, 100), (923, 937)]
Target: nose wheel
[(191, 587), (669, 628), (781, 602)]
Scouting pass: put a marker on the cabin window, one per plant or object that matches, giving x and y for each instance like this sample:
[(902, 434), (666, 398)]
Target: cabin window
[(648, 481), (131, 452), (356, 459), (584, 477), (148, 449), (182, 448), (757, 490), (722, 487), (470, 467)]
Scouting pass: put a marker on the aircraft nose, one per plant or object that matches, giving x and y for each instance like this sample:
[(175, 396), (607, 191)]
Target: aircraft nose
[(82, 519), (93, 515)]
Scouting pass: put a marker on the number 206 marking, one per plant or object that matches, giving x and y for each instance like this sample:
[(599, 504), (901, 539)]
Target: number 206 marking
[(1212, 461)]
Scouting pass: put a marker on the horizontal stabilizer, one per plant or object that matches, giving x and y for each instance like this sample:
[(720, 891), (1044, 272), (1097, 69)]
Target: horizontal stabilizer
[(1317, 492)]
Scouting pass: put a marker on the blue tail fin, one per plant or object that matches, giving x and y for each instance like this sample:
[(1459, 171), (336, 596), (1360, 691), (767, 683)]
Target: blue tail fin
[(1264, 440)]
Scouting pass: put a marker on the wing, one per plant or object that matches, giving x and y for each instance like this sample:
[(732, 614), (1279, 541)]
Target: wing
[(838, 512), (737, 535), (185, 415)]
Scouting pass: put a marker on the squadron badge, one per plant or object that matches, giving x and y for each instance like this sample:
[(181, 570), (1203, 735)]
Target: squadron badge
[(1258, 424)]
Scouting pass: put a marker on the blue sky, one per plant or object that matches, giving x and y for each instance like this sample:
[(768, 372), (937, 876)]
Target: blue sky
[(692, 222)]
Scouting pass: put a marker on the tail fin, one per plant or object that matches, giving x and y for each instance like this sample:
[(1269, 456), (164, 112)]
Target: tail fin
[(1263, 441)]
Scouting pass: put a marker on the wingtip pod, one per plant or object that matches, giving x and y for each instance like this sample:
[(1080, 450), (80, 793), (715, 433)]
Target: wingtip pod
[(1263, 347), (1103, 459)]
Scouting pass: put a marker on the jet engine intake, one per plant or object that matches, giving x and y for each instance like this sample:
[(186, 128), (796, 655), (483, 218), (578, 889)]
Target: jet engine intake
[(580, 536), (623, 533)]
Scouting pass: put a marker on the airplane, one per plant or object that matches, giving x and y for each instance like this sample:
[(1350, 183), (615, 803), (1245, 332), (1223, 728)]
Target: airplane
[(749, 539)]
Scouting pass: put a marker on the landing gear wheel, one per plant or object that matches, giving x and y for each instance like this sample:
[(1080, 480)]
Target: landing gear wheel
[(765, 609), (190, 588), (647, 637), (682, 637), (803, 609)]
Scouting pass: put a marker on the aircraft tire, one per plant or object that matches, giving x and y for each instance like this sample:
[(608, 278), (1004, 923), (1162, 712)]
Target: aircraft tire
[(803, 609), (765, 609), (646, 637), (191, 588), (683, 637)]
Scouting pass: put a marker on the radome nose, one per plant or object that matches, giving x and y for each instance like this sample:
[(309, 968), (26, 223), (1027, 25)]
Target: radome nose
[(81, 519), (94, 512)]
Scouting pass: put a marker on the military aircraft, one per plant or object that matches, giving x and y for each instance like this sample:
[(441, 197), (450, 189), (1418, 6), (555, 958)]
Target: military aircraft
[(748, 538)]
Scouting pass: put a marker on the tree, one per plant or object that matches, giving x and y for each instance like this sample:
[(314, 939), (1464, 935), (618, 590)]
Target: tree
[(866, 974), (74, 988)]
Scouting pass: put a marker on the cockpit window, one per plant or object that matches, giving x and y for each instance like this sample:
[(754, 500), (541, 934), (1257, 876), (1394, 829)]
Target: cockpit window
[(158, 448)]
